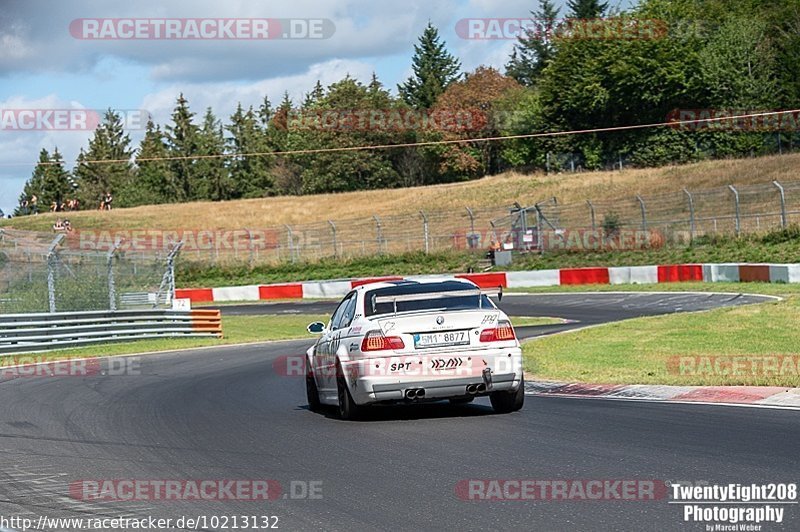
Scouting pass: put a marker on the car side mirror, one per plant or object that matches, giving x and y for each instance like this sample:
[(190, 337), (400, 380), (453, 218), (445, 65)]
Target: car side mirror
[(316, 328)]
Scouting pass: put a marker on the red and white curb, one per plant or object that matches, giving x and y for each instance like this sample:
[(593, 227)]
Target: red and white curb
[(754, 396), (713, 273)]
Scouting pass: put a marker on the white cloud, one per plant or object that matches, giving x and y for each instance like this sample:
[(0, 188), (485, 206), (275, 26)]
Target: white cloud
[(42, 41)]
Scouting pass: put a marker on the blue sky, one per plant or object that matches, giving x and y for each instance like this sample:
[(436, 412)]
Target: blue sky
[(42, 66)]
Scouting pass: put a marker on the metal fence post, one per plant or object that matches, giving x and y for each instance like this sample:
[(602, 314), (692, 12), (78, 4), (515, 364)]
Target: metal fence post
[(592, 213), (425, 231), (52, 259), (290, 242), (471, 220), (251, 245), (738, 213), (335, 244), (112, 287), (692, 225), (644, 212), (784, 221), (379, 231)]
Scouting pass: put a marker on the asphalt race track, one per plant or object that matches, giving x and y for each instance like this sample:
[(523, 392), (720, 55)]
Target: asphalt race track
[(228, 414)]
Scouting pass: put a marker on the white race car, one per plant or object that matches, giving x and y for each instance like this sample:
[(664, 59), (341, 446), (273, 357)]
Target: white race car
[(415, 341)]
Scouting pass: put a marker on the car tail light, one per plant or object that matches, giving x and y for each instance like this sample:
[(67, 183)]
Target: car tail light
[(376, 341), (502, 333)]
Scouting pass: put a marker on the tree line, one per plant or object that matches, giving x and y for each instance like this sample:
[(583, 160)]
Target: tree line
[(734, 55)]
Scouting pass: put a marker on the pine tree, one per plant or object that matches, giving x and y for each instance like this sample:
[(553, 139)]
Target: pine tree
[(535, 49), (109, 143), (265, 113), (154, 176), (434, 70), (250, 175), (213, 172), (315, 96), (50, 182), (587, 9), (182, 143)]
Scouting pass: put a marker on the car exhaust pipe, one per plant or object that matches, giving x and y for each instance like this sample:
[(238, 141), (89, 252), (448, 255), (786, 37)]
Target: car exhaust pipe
[(481, 388), (472, 389), (415, 393)]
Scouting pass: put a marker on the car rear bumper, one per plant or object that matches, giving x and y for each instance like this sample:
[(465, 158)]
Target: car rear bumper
[(441, 375), (440, 388)]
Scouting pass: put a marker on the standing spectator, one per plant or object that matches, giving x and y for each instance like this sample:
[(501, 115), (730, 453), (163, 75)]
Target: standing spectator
[(107, 200), (35, 204)]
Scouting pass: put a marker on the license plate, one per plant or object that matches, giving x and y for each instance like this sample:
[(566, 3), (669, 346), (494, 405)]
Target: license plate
[(441, 339)]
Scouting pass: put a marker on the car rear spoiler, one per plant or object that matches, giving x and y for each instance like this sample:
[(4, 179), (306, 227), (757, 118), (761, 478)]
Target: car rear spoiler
[(401, 298)]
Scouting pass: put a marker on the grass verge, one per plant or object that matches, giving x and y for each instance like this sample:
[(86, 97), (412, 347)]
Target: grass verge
[(723, 347)]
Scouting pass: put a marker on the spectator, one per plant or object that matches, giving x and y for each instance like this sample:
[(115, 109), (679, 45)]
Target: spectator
[(73, 204), (493, 247), (35, 204), (67, 226), (58, 226), (107, 200)]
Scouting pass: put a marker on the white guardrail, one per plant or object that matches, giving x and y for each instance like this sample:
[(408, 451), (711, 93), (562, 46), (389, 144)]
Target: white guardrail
[(26, 333)]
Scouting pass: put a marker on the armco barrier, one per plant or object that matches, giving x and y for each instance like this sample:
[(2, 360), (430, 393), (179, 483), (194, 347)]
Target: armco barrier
[(26, 333), (711, 273)]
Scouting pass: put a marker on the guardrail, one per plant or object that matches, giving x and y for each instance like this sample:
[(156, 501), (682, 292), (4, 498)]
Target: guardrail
[(26, 333)]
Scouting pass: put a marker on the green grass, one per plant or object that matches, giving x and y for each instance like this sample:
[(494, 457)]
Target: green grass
[(237, 330), (647, 350), (775, 247)]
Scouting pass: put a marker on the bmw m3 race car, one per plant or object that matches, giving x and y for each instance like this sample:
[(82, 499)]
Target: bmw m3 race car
[(415, 341)]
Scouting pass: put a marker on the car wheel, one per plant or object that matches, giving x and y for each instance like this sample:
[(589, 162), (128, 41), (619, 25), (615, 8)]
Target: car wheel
[(348, 409), (312, 393), (461, 400), (506, 402)]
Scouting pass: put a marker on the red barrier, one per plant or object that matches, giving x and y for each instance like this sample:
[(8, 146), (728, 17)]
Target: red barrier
[(585, 276), (486, 280), (196, 295), (281, 291), (680, 272)]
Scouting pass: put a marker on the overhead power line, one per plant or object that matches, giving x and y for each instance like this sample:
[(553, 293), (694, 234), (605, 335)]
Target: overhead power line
[(426, 143)]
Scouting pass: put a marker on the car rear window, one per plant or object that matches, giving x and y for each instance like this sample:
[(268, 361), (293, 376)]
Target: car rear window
[(466, 302)]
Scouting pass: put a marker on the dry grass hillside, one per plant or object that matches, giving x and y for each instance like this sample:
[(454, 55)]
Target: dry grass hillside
[(493, 191)]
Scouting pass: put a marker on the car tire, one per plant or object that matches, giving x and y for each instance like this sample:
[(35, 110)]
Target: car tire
[(460, 401), (312, 393), (348, 409), (507, 402)]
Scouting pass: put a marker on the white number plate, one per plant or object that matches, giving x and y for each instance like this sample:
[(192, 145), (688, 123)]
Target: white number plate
[(441, 339)]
